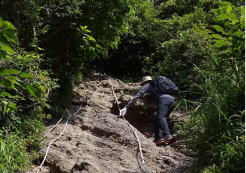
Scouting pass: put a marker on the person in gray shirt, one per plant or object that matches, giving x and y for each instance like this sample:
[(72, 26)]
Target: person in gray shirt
[(164, 103)]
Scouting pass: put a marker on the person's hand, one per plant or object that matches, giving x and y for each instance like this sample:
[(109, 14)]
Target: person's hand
[(122, 112)]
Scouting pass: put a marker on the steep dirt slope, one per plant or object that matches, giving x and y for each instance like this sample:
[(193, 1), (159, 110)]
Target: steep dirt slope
[(96, 140)]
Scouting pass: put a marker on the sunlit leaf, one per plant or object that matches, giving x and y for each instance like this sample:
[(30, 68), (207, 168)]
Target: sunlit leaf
[(219, 43), (217, 36), (228, 8), (43, 88), (34, 91), (10, 35), (6, 48), (9, 72), (9, 25), (91, 38), (12, 105), (26, 75), (222, 17), (4, 93), (238, 33), (218, 28)]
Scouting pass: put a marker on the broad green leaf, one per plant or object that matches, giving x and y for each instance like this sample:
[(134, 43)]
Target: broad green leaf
[(242, 10), (43, 88), (26, 75), (12, 105), (91, 38), (218, 28), (238, 33), (222, 17), (9, 72), (84, 28), (228, 8), (11, 36), (217, 36), (34, 91), (38, 91), (219, 43), (6, 83), (31, 90), (4, 93), (13, 79), (9, 25), (6, 48), (232, 17)]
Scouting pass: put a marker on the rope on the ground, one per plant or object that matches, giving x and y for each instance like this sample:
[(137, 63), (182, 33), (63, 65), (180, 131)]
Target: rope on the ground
[(52, 141), (58, 122), (132, 128)]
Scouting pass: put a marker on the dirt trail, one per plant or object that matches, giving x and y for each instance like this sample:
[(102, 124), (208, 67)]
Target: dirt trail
[(97, 141)]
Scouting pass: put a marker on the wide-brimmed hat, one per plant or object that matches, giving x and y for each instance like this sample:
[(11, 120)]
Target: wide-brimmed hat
[(146, 79)]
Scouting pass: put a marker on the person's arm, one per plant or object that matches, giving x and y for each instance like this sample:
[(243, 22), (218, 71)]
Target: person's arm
[(140, 93)]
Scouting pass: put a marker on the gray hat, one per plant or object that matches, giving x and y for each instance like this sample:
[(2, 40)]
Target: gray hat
[(146, 79)]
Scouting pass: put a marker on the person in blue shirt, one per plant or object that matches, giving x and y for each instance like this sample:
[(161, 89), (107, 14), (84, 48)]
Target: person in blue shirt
[(165, 104)]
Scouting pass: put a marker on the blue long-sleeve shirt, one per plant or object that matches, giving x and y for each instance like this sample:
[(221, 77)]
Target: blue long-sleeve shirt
[(147, 88)]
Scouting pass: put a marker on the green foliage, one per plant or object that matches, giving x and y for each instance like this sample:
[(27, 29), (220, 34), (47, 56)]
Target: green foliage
[(24, 90), (169, 8), (219, 123), (186, 45), (140, 40), (13, 155), (7, 38)]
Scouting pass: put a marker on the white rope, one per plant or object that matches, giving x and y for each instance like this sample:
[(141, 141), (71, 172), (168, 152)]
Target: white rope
[(58, 122), (132, 128), (139, 144), (51, 142)]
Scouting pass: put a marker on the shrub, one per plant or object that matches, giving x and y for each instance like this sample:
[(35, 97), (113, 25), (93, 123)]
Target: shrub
[(219, 123), (23, 97)]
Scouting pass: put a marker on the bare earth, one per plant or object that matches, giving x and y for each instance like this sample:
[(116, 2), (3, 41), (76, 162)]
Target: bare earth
[(97, 141)]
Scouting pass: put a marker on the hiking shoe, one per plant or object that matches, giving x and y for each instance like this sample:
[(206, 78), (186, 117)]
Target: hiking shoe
[(164, 141)]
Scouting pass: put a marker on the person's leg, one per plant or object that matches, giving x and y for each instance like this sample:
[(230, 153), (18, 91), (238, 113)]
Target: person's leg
[(161, 127), (164, 105), (162, 120), (158, 131), (170, 109)]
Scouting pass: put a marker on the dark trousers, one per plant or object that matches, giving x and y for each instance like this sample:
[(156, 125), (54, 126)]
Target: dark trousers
[(165, 105)]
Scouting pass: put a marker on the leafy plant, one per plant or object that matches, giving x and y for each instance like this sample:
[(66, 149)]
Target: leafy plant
[(13, 156), (24, 90), (219, 123)]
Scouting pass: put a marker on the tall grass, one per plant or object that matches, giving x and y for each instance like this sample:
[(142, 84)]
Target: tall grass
[(13, 155), (219, 123)]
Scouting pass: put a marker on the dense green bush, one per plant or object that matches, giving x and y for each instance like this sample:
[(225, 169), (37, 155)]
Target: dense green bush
[(13, 155), (219, 122), (24, 90), (185, 47)]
